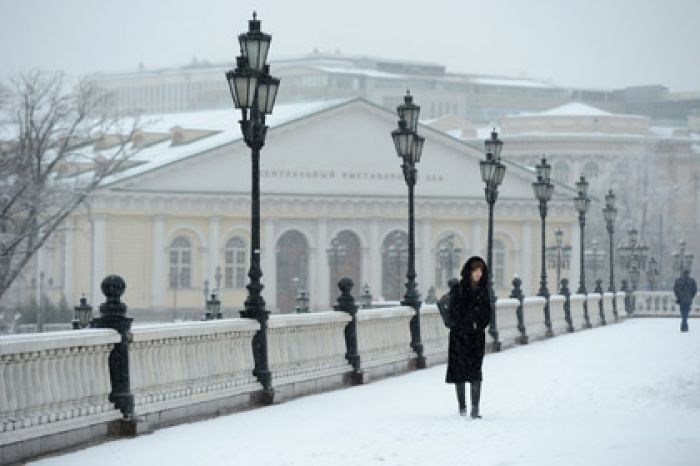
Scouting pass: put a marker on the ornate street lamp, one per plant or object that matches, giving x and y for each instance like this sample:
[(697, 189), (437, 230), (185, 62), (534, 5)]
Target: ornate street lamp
[(543, 189), (254, 92), (213, 309), (595, 257), (449, 255), (681, 260), (302, 301), (492, 173), (610, 212), (409, 146), (83, 314), (583, 203), (652, 274), (634, 256), (365, 299), (336, 254), (559, 255)]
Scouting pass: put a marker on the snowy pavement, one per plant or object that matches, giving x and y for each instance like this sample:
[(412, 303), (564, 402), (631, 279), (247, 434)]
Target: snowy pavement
[(626, 394)]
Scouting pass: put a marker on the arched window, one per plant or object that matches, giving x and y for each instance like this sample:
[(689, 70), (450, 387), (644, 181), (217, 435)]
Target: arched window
[(448, 256), (394, 265), (590, 170), (181, 263), (499, 264), (344, 260), (561, 172), (292, 268), (234, 263)]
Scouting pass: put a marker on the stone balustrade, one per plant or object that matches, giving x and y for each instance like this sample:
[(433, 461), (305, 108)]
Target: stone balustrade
[(434, 335), (592, 300), (180, 364), (183, 371), (655, 303), (577, 311), (384, 340), (54, 382), (533, 317), (556, 314), (306, 352), (507, 322), (620, 302)]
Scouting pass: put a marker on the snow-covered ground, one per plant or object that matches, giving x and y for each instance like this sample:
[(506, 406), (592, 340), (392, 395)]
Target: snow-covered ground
[(626, 394)]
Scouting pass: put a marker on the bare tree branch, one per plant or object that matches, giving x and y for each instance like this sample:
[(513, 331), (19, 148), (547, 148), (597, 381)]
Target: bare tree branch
[(48, 123)]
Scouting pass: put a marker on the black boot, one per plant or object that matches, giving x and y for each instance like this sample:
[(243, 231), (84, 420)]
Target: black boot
[(476, 395), (461, 398)]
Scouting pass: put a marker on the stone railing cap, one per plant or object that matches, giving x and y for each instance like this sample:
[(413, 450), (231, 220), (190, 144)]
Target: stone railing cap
[(310, 318), (385, 313), (28, 342), (190, 329)]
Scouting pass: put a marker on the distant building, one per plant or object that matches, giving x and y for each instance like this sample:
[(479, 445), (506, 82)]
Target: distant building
[(322, 76)]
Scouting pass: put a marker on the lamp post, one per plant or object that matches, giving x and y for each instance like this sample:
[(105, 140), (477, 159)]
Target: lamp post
[(652, 274), (681, 260), (254, 91), (213, 308), (595, 257), (634, 256), (336, 253), (559, 254), (302, 301), (583, 203), (366, 297), (409, 147), (492, 173), (610, 212), (543, 189), (83, 314), (449, 255)]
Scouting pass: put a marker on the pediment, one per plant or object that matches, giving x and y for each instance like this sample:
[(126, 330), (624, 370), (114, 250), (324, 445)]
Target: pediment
[(345, 150)]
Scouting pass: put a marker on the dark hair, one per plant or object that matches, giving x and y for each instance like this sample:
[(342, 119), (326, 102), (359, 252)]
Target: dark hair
[(477, 264)]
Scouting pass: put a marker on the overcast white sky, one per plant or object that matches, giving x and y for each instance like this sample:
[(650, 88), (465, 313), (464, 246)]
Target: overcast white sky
[(591, 43)]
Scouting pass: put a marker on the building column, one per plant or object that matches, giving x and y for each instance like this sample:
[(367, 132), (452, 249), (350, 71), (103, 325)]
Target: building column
[(68, 260), (269, 262), (375, 259), (99, 266), (212, 258), (575, 266), (321, 281), (426, 278), (364, 269), (526, 247), (158, 284), (479, 247)]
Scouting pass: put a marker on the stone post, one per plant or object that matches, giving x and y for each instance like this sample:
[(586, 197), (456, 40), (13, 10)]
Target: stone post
[(346, 303), (566, 292), (518, 294), (601, 303), (113, 315)]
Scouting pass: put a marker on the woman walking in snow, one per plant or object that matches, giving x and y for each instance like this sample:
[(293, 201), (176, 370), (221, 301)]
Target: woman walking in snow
[(469, 314)]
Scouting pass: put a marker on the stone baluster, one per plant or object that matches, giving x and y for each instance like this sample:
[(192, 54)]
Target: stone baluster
[(346, 303), (601, 304), (566, 292), (113, 315), (517, 293)]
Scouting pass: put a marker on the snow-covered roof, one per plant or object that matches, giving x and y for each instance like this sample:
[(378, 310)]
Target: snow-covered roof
[(510, 82), (225, 124), (575, 109)]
